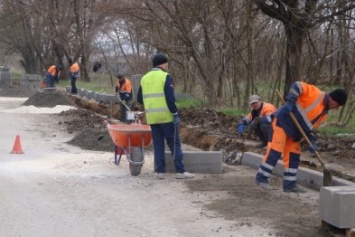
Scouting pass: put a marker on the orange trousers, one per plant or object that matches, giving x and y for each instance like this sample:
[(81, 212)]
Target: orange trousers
[(280, 145)]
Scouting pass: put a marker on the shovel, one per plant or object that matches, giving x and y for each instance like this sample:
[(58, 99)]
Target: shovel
[(327, 175)]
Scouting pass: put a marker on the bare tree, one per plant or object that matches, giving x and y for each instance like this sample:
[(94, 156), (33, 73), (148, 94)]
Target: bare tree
[(298, 17)]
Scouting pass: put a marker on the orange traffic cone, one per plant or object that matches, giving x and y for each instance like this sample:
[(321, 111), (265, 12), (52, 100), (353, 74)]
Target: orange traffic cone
[(17, 149)]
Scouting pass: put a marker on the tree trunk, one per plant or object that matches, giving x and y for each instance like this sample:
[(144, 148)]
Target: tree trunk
[(294, 46)]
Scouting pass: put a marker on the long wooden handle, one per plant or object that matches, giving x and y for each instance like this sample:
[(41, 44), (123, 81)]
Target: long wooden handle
[(301, 130)]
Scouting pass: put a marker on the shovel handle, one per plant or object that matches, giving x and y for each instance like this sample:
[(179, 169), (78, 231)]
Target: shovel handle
[(119, 99), (301, 130)]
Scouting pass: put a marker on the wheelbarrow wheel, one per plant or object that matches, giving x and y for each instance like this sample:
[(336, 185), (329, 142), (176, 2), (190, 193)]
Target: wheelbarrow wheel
[(136, 156)]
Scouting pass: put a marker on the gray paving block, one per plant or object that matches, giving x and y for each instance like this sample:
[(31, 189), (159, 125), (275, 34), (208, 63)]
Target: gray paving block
[(204, 162), (81, 92), (337, 206), (31, 80), (89, 94)]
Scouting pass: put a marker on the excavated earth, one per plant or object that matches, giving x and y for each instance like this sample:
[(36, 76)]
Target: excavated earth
[(209, 130)]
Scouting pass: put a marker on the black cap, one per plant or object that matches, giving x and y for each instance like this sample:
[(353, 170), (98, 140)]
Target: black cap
[(159, 59), (339, 96)]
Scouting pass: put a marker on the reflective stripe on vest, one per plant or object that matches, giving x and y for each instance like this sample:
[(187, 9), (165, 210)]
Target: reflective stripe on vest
[(156, 108)]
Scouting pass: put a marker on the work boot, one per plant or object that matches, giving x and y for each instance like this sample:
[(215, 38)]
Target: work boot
[(266, 186), (296, 189), (160, 176), (184, 175)]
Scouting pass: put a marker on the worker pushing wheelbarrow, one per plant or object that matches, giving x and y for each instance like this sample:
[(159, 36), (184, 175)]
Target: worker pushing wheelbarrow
[(130, 140)]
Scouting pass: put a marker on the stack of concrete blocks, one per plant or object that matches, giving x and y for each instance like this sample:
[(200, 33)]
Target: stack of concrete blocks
[(5, 76), (202, 162), (31, 80)]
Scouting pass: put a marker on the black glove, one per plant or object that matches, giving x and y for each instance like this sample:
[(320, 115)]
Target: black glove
[(287, 108)]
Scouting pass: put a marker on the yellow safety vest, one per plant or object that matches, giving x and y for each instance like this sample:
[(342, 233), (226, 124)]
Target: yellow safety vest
[(156, 108)]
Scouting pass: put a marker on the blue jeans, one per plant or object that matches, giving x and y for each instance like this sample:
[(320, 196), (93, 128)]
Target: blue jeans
[(170, 133)]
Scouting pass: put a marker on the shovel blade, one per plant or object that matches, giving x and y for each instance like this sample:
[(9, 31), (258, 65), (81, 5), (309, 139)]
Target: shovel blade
[(327, 177)]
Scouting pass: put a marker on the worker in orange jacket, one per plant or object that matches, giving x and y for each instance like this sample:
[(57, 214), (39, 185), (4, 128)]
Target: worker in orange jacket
[(124, 88), (73, 74), (310, 106), (259, 119), (52, 75)]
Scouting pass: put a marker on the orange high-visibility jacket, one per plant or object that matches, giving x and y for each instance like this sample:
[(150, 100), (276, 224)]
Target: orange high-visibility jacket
[(53, 71), (74, 68), (310, 108), (266, 109), (125, 89)]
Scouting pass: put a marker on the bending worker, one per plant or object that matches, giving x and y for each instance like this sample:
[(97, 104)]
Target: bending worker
[(310, 106), (259, 119), (74, 74), (124, 88), (156, 93), (52, 75)]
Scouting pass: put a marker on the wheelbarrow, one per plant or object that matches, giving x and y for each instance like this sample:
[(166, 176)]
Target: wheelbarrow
[(130, 140)]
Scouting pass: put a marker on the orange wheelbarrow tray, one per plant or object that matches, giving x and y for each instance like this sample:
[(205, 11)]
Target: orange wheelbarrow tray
[(130, 140), (128, 135)]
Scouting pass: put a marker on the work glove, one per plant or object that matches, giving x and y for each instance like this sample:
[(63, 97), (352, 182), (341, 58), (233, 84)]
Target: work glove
[(240, 129), (312, 149), (176, 119), (287, 108)]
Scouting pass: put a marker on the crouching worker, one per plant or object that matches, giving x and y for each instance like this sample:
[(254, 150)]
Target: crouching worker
[(310, 106), (52, 75), (259, 119)]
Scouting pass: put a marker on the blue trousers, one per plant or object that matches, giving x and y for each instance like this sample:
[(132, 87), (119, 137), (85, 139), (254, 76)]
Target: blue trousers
[(170, 133), (74, 90), (50, 81)]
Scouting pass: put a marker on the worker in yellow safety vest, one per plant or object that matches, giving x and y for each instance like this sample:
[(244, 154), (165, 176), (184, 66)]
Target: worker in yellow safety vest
[(156, 93)]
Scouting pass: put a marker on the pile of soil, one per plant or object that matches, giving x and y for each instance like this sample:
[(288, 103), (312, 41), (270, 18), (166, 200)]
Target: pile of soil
[(49, 99), (89, 127)]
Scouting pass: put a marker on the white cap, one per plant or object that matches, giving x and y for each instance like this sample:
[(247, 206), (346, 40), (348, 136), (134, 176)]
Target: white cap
[(253, 99)]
